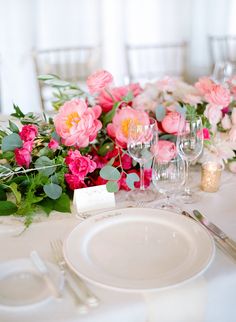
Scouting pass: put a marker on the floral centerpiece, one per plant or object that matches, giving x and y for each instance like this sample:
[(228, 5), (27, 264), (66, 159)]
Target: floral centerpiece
[(43, 160)]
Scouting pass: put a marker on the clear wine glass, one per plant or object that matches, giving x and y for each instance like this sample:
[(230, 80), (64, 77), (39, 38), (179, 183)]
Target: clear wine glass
[(189, 146), (168, 177), (141, 141)]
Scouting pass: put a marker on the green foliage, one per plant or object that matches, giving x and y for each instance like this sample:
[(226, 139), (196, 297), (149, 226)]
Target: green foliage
[(112, 186), (110, 173), (10, 142), (131, 178), (7, 208), (160, 112), (52, 190), (45, 166)]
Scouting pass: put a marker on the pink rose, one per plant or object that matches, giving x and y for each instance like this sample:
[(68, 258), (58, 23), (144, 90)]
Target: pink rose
[(170, 123), (233, 116), (77, 124), (164, 151), (74, 182), (99, 80), (206, 134), (126, 162), (213, 113), (232, 166), (119, 127), (28, 132), (225, 122), (28, 145), (23, 157), (218, 95), (106, 99), (79, 165), (53, 144), (204, 85)]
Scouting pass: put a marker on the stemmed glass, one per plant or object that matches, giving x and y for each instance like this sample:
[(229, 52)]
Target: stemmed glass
[(189, 146), (142, 138), (168, 177)]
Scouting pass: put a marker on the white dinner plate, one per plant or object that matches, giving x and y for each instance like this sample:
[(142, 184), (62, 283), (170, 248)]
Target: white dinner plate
[(22, 286), (137, 249)]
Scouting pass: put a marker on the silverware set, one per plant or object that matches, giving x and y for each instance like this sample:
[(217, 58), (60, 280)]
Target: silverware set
[(224, 242), (80, 292)]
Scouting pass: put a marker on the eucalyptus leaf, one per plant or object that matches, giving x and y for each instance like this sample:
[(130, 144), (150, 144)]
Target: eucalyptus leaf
[(7, 208), (11, 141), (131, 178), (13, 127), (112, 186), (110, 173), (181, 110), (46, 77), (57, 83), (62, 204), (160, 112), (52, 190), (45, 166)]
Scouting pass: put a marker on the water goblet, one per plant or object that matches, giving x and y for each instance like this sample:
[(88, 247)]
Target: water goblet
[(189, 146), (142, 138), (168, 176)]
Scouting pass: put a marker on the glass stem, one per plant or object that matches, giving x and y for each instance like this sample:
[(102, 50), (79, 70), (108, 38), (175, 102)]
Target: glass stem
[(186, 182), (142, 186)]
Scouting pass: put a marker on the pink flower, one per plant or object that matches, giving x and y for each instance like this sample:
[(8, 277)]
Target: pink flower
[(164, 151), (170, 123), (218, 95), (126, 161), (23, 157), (225, 122), (204, 85), (99, 80), (74, 182), (232, 166), (192, 99), (53, 144), (28, 132), (119, 127), (106, 99), (213, 113), (28, 145), (79, 165), (166, 84), (206, 134), (77, 124), (233, 116)]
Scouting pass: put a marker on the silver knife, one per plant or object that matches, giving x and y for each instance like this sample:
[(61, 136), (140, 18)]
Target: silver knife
[(216, 230), (219, 242)]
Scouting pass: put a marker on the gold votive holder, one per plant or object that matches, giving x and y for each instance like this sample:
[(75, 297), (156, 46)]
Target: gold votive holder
[(210, 176)]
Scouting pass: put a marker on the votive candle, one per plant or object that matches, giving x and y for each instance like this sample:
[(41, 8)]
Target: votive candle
[(210, 176)]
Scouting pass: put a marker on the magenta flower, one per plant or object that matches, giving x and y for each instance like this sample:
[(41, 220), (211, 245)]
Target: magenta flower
[(28, 132), (53, 144), (23, 157)]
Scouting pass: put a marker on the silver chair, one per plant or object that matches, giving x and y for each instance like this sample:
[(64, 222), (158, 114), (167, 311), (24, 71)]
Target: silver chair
[(73, 64), (147, 62)]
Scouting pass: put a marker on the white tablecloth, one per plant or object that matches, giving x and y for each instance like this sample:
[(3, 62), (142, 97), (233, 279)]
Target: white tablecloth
[(209, 298)]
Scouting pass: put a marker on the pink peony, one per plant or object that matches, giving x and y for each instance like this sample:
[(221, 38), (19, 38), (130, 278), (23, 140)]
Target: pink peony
[(28, 145), (74, 182), (77, 124), (28, 132), (213, 113), (23, 157), (106, 99), (166, 84), (218, 95), (164, 151), (53, 144), (204, 85), (99, 80), (192, 99), (79, 165), (232, 134), (119, 127), (170, 123)]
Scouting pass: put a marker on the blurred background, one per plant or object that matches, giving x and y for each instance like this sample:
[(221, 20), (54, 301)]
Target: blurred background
[(186, 38)]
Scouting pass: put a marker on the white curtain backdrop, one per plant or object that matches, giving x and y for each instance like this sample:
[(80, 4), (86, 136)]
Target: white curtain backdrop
[(28, 24)]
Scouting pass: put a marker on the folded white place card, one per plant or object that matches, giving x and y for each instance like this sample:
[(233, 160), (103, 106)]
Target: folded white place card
[(93, 198)]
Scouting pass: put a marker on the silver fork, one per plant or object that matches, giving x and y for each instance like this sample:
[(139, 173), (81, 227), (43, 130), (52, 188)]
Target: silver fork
[(78, 287)]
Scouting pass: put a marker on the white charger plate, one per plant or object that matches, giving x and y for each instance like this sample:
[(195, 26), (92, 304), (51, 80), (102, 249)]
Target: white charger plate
[(138, 249), (22, 286)]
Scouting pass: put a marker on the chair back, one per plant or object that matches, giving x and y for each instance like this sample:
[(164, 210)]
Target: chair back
[(72, 64), (147, 62)]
